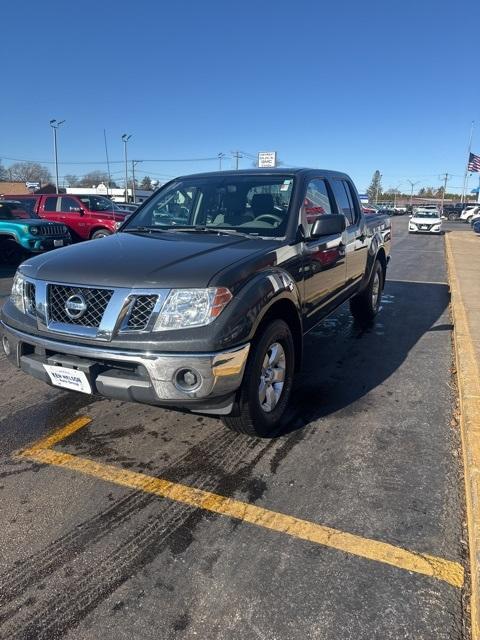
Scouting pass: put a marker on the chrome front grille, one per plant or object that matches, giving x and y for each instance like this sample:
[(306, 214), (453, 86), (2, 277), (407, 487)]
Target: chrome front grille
[(141, 312), (96, 301)]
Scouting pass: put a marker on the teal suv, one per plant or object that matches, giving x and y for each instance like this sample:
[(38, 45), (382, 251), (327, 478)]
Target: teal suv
[(22, 232)]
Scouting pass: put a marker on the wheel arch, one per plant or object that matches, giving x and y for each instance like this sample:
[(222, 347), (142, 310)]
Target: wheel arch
[(285, 309)]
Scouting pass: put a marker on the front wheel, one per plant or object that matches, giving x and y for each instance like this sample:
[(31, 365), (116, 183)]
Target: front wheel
[(101, 233), (365, 305), (267, 383)]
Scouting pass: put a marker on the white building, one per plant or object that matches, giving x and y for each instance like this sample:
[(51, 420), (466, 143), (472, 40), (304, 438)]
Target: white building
[(117, 195)]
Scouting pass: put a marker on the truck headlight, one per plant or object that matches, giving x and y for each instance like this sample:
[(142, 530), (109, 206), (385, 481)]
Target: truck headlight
[(17, 296), (186, 308), (33, 231)]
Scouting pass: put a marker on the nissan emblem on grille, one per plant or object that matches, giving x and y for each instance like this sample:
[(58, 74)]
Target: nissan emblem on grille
[(75, 306)]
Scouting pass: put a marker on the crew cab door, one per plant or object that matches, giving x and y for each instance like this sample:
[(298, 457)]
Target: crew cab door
[(66, 210), (356, 242), (324, 266)]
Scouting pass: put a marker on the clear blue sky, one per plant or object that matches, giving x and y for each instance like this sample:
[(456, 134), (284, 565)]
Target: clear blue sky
[(355, 86)]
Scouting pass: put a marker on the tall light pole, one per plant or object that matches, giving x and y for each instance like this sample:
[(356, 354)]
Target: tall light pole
[(125, 139), (412, 184), (134, 162), (220, 157), (55, 124)]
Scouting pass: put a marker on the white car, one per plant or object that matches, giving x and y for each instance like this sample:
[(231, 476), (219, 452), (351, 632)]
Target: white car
[(468, 213), (425, 221)]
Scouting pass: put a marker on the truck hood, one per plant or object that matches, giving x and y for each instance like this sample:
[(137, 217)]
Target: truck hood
[(159, 260)]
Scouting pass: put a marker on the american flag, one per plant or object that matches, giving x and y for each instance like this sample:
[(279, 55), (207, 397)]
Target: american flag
[(473, 163)]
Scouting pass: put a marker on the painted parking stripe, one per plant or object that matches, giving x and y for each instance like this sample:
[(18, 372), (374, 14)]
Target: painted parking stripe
[(425, 564)]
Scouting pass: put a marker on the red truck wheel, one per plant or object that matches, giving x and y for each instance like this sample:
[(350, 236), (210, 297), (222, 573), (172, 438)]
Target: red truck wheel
[(101, 233)]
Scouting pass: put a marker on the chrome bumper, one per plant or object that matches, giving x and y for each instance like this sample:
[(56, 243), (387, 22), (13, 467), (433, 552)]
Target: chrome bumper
[(219, 374)]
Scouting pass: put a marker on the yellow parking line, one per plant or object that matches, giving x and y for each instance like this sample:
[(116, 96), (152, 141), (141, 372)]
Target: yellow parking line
[(59, 435), (450, 572)]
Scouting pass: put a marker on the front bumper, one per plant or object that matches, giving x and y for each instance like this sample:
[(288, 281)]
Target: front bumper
[(417, 230), (147, 377), (37, 244)]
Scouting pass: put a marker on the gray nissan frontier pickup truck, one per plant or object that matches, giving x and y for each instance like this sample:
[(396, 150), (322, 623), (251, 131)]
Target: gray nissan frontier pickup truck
[(202, 299)]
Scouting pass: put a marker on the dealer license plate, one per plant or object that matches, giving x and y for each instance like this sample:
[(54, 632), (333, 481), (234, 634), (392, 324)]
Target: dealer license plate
[(58, 243), (68, 378)]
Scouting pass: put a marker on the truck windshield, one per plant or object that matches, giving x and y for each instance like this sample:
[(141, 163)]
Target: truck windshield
[(10, 211), (99, 203), (252, 204)]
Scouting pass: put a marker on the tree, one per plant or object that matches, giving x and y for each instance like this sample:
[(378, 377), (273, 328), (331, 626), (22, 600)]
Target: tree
[(3, 172), (374, 191), (94, 178), (146, 183), (29, 172), (71, 180)]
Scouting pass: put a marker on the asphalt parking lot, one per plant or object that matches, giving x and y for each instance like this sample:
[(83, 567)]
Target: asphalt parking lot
[(349, 526)]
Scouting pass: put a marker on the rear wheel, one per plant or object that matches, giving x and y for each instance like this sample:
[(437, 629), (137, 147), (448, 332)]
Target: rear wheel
[(101, 233), (267, 383), (365, 305)]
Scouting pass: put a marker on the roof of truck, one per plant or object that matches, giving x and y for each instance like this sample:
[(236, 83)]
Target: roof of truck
[(305, 171)]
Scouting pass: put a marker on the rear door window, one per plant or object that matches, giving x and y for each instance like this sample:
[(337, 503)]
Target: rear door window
[(344, 200), (50, 204)]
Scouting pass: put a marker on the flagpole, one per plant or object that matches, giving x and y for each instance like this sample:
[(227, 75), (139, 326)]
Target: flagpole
[(468, 158)]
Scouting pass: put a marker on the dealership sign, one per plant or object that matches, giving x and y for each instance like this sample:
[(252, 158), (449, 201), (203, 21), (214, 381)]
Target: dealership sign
[(267, 159)]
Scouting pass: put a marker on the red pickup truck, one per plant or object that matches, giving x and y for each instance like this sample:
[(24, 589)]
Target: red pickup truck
[(87, 217)]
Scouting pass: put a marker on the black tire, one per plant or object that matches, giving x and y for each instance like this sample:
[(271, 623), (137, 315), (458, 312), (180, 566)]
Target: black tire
[(101, 233), (247, 415), (365, 305)]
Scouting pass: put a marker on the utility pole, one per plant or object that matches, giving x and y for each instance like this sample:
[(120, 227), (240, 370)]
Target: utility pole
[(412, 185), (237, 155), (468, 158), (55, 125), (125, 139), (445, 180), (134, 162), (220, 157)]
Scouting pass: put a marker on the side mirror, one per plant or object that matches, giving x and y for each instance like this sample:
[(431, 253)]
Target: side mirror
[(328, 225)]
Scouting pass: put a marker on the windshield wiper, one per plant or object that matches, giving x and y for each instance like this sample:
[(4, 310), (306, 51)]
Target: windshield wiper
[(144, 230), (215, 230)]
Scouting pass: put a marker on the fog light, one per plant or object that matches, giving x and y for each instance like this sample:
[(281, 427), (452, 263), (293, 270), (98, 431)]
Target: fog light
[(187, 379), (6, 346)]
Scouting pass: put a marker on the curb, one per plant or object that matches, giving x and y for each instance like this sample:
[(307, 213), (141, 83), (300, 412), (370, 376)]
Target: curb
[(468, 376)]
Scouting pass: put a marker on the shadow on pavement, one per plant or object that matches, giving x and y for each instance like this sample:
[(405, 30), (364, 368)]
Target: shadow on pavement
[(343, 362)]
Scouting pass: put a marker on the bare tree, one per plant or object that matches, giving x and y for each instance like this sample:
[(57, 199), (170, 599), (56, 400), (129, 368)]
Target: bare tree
[(3, 172), (29, 172), (94, 178), (71, 180)]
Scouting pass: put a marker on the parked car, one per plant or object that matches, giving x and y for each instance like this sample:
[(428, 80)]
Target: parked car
[(202, 299), (476, 226), (84, 220), (469, 212), (22, 233), (475, 217), (425, 220)]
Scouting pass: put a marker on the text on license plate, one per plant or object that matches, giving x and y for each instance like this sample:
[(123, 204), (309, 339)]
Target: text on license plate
[(58, 243), (68, 378)]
